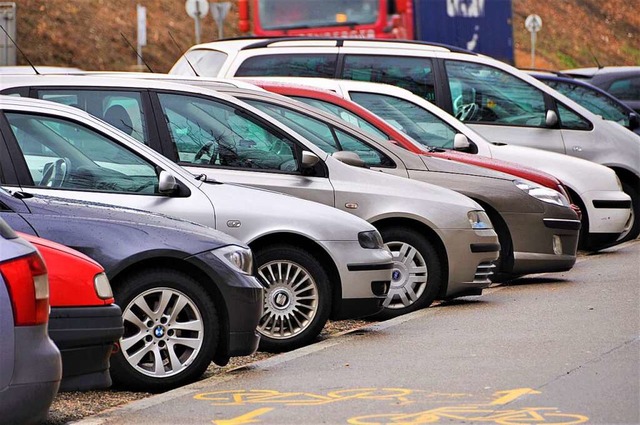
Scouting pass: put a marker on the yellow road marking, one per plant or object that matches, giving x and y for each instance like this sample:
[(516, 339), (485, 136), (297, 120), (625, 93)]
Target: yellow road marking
[(511, 395), (247, 418)]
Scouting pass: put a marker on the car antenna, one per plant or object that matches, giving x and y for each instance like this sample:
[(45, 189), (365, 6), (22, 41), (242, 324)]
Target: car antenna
[(20, 50), (184, 56), (137, 54), (595, 59)]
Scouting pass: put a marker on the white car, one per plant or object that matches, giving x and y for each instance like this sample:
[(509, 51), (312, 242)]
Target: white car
[(595, 188), (500, 102), (317, 262), (444, 244)]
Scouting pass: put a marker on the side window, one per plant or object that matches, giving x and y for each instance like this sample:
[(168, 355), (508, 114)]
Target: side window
[(413, 120), (294, 65), (483, 94), (64, 154), (593, 100), (343, 114), (323, 135), (208, 132), (626, 89), (569, 120), (411, 73), (121, 109)]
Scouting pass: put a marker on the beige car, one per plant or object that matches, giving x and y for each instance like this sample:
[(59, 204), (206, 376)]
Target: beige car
[(443, 243)]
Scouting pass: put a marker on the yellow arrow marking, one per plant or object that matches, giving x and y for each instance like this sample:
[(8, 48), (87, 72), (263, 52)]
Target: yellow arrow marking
[(247, 418), (511, 395)]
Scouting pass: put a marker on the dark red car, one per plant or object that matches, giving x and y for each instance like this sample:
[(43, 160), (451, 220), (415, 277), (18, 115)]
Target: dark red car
[(84, 321)]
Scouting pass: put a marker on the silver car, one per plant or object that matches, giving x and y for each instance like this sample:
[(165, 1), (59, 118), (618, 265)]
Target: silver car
[(30, 365), (443, 242), (316, 262)]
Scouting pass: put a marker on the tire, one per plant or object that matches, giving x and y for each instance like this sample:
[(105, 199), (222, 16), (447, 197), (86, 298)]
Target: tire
[(417, 275), (149, 335), (297, 297), (634, 230)]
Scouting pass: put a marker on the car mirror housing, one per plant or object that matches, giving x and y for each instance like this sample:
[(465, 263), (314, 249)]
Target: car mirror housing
[(461, 142), (167, 183), (634, 121), (551, 118), (309, 159), (350, 158)]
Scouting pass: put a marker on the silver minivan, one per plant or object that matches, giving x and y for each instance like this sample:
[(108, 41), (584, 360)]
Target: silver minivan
[(500, 102)]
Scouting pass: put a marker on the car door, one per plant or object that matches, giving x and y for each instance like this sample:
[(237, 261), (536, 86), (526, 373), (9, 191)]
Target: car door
[(63, 157), (230, 144)]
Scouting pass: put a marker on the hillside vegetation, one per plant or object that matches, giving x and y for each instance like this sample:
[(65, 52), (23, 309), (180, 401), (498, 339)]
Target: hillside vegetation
[(88, 33)]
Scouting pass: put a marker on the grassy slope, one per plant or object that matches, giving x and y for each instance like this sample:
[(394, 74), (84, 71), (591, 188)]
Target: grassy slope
[(86, 33)]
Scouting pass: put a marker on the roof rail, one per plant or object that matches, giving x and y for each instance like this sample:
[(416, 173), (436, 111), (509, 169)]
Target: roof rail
[(340, 42)]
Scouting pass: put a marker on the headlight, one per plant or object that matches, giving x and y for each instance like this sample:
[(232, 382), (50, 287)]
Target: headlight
[(370, 239), (542, 193), (102, 286), (237, 257), (479, 220)]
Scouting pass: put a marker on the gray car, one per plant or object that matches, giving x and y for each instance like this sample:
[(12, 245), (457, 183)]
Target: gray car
[(538, 230), (443, 242), (317, 262), (30, 365)]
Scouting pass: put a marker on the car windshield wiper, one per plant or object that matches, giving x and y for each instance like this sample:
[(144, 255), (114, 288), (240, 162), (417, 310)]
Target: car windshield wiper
[(204, 178), (21, 195)]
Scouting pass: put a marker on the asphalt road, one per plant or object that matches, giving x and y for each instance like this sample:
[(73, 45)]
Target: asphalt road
[(557, 348)]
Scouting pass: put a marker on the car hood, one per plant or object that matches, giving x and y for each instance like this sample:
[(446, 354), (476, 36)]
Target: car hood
[(445, 165)]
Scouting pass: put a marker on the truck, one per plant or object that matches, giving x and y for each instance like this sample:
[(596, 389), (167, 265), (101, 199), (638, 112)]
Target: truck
[(482, 26)]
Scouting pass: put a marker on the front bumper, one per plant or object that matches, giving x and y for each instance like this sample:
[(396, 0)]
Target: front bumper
[(85, 338), (365, 277), (470, 255), (543, 242), (608, 212)]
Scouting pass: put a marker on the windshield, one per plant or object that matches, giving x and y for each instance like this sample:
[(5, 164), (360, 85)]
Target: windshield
[(420, 124), (291, 14)]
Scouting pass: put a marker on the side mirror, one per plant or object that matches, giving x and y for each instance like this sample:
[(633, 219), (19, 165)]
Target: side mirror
[(551, 118), (309, 159), (634, 121), (460, 142), (349, 158), (167, 183)]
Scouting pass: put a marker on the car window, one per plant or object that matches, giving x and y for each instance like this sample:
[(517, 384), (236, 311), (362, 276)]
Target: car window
[(208, 132), (569, 120), (323, 135), (483, 94), (121, 109), (626, 89), (294, 65), (65, 154), (413, 74), (413, 120), (593, 100), (343, 114)]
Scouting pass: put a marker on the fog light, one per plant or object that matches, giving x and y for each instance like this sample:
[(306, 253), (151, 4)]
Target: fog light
[(557, 245)]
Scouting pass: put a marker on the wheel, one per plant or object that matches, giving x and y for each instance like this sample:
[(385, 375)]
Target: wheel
[(634, 230), (171, 330), (297, 300), (417, 273)]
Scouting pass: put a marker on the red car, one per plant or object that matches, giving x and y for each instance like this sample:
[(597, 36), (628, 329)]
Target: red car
[(84, 322), (326, 97)]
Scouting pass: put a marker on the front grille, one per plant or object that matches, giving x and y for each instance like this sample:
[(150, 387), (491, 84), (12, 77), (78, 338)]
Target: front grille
[(484, 272)]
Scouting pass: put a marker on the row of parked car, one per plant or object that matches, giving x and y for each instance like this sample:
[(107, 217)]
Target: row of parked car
[(394, 203)]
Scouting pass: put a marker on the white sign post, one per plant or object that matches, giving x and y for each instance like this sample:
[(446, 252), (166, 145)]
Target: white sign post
[(142, 31), (197, 9), (533, 24), (219, 12)]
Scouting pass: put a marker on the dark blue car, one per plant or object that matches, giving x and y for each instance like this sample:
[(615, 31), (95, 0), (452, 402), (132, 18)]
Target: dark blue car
[(186, 291), (591, 97)]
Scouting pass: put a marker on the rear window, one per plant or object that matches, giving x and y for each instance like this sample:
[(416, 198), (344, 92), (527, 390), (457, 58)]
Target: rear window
[(295, 65), (207, 63)]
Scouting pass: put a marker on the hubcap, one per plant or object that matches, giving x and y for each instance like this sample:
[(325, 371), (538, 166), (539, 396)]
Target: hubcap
[(163, 332), (408, 278), (291, 299)]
